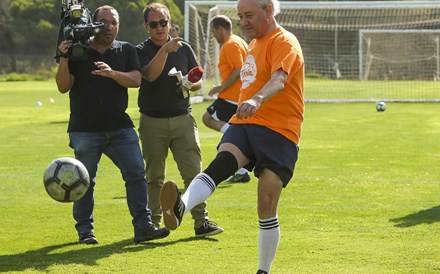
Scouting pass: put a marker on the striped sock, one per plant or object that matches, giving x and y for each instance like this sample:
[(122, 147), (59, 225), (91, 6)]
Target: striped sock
[(198, 191), (268, 240)]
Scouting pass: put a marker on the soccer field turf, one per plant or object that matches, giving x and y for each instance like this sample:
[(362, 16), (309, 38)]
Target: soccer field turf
[(365, 197)]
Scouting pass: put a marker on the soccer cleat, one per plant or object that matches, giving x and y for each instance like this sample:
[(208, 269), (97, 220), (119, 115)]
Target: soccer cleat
[(208, 229), (239, 178), (88, 239), (150, 233), (261, 271), (172, 206)]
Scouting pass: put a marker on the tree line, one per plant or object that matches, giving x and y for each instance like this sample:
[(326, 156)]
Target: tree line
[(31, 27)]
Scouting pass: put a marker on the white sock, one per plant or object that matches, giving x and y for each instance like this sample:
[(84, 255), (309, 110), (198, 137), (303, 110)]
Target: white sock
[(199, 190), (268, 240), (242, 171), (224, 128)]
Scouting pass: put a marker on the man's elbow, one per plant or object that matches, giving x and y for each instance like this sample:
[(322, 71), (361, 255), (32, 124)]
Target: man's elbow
[(137, 80), (63, 89), (136, 83), (148, 77)]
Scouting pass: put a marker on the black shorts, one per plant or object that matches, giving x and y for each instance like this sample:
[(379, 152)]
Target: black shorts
[(265, 148), (222, 110)]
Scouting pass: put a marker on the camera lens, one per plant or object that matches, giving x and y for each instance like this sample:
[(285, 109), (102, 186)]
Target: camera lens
[(78, 52)]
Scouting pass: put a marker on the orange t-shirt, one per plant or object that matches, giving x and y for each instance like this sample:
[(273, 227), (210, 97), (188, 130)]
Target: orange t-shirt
[(284, 112), (232, 55)]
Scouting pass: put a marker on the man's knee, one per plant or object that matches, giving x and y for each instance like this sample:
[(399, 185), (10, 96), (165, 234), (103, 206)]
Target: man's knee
[(206, 119), (224, 165)]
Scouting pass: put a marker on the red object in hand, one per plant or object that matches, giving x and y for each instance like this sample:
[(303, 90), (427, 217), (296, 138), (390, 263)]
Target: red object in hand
[(195, 74)]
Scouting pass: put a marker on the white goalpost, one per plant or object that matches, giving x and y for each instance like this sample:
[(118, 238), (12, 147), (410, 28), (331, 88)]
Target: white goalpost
[(354, 51), (399, 54)]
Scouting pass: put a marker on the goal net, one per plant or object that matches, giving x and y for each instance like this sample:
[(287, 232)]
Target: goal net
[(415, 57), (354, 51)]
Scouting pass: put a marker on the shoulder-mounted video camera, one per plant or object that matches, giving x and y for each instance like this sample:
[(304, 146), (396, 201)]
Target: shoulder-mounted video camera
[(77, 26)]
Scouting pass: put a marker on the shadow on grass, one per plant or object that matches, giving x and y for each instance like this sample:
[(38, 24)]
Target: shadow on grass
[(42, 259), (427, 216)]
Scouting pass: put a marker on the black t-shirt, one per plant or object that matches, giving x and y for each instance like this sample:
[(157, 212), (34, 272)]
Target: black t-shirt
[(162, 98), (98, 103)]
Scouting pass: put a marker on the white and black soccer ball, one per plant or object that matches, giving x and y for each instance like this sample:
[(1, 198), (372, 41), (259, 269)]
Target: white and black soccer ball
[(381, 106), (66, 179)]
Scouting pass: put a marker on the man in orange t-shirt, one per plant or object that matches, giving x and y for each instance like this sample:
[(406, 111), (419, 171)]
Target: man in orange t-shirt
[(265, 131), (233, 52)]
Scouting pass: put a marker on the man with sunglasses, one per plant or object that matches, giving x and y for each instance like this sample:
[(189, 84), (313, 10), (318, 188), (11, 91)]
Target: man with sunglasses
[(166, 120), (98, 90)]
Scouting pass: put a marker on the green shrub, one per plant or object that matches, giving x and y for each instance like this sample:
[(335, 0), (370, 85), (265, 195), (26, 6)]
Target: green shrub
[(14, 77)]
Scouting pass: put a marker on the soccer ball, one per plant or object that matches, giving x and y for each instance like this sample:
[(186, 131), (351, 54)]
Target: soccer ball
[(66, 179), (381, 106)]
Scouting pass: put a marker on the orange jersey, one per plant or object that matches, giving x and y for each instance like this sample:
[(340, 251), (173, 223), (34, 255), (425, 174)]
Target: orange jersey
[(284, 112), (232, 55)]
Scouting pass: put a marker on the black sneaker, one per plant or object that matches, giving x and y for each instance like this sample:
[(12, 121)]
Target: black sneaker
[(172, 205), (208, 229), (88, 239), (150, 233), (239, 178), (261, 271)]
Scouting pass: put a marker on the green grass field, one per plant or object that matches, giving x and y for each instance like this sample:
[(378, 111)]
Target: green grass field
[(325, 89), (365, 197)]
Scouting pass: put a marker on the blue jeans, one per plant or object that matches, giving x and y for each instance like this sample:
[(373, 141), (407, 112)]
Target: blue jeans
[(122, 147)]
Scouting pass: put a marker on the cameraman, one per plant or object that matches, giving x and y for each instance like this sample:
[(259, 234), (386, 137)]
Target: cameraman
[(99, 124)]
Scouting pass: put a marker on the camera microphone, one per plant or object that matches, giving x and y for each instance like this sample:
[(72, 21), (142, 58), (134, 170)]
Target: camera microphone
[(193, 76)]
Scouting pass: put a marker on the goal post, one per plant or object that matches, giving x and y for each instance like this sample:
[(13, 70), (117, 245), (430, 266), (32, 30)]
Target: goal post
[(354, 51), (399, 54)]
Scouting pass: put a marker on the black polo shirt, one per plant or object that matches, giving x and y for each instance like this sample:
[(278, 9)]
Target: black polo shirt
[(162, 98), (98, 103)]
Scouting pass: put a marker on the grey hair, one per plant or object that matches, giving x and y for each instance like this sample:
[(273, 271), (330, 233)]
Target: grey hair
[(275, 4)]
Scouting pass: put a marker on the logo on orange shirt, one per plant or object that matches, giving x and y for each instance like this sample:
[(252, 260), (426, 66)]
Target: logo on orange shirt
[(248, 72)]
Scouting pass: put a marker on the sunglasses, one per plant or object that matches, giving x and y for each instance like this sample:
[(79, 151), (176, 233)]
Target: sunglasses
[(162, 22)]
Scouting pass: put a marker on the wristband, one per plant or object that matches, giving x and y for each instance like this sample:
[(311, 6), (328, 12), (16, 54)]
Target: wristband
[(61, 55)]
